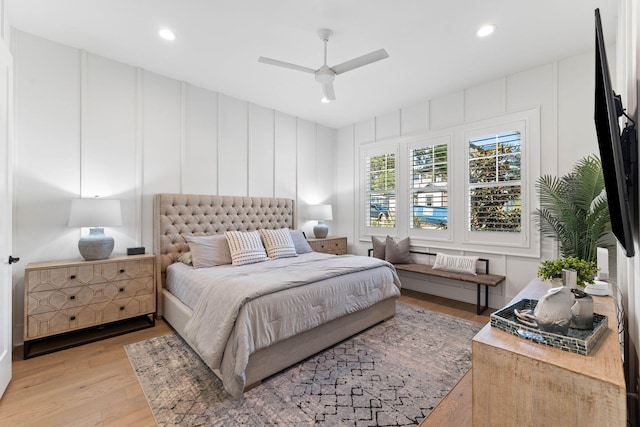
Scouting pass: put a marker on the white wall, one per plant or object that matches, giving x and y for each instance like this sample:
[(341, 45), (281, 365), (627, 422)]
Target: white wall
[(564, 93), (87, 125)]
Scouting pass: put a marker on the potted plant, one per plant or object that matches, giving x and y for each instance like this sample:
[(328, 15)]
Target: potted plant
[(574, 210), (552, 269)]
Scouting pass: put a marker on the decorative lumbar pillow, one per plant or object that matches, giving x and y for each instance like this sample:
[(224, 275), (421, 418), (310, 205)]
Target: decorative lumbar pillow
[(245, 247), (209, 251), (456, 263), (378, 247), (300, 242), (397, 253), (278, 243)]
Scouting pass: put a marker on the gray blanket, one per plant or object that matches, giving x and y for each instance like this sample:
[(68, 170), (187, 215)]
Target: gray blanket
[(252, 306)]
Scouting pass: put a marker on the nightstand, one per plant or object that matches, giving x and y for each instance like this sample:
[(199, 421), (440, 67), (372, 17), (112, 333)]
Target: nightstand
[(329, 245), (68, 303)]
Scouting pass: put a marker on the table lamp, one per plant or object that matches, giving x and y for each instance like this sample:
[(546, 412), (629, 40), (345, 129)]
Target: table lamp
[(95, 213), (321, 213)]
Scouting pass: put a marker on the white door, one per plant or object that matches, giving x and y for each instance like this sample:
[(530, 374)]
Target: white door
[(6, 200)]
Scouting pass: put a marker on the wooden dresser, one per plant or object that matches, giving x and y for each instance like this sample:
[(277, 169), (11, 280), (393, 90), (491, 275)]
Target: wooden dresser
[(67, 303), (329, 245), (520, 383)]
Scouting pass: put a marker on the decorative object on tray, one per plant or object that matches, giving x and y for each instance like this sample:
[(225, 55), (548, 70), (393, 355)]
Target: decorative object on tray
[(552, 313), (552, 269), (582, 310), (580, 341)]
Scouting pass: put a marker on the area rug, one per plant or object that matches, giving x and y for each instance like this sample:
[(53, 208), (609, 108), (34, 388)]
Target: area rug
[(392, 374)]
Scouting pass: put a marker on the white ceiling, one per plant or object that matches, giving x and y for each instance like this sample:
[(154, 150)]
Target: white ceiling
[(432, 45)]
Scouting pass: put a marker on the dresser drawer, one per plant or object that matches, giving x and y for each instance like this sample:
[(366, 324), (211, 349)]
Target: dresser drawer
[(329, 245), (46, 279), (73, 318)]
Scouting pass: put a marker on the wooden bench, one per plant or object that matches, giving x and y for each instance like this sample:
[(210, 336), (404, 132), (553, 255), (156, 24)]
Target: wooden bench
[(480, 279)]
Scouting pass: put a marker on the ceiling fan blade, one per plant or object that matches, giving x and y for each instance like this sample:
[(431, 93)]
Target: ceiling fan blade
[(360, 61), (285, 65), (328, 92)]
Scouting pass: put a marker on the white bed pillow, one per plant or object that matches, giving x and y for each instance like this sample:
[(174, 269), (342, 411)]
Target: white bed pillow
[(209, 251), (278, 243), (245, 247), (456, 263), (300, 242)]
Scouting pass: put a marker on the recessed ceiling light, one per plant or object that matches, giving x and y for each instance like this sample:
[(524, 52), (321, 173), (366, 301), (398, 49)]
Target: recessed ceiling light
[(485, 30), (325, 100), (167, 34)]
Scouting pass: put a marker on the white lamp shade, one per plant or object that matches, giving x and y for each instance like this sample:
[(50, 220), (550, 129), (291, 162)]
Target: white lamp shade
[(95, 213), (319, 212)]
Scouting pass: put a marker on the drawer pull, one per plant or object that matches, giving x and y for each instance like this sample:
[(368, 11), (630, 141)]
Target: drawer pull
[(121, 289), (121, 308), (72, 297), (122, 270), (73, 276), (72, 318)]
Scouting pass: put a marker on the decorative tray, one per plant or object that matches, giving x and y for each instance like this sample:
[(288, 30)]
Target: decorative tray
[(576, 341)]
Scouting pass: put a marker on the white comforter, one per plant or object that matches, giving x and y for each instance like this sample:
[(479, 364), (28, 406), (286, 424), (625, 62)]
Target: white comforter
[(244, 309)]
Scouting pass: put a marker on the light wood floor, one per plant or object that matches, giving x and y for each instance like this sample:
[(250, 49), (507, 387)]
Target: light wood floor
[(94, 384)]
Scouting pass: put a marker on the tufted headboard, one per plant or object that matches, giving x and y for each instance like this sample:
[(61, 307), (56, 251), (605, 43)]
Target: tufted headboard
[(178, 215)]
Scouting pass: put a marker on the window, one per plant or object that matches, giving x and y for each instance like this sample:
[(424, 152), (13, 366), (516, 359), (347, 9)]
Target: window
[(428, 186), (380, 190), (460, 188), (495, 190)]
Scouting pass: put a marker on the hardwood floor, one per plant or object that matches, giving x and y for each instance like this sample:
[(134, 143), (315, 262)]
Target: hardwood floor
[(94, 384)]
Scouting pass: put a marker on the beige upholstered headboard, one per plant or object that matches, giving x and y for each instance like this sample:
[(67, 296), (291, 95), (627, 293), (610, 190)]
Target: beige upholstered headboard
[(178, 215)]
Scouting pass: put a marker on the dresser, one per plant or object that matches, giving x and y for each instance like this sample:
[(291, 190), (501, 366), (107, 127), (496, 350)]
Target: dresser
[(67, 303), (520, 383), (329, 245)]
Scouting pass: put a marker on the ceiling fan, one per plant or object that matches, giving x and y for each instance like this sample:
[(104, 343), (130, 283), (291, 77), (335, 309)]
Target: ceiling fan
[(325, 74)]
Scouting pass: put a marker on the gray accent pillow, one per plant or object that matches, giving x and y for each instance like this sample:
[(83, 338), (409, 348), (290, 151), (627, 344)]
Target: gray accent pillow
[(378, 247), (300, 242), (397, 253), (209, 251)]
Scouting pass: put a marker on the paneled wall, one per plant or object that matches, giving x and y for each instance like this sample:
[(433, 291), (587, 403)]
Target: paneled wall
[(563, 91), (87, 125)]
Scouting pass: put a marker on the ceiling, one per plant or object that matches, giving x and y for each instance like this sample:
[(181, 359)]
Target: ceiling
[(432, 46)]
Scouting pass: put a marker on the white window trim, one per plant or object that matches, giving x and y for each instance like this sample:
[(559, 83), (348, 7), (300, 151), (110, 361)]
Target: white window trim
[(525, 123), (420, 142), (459, 238), (368, 150)]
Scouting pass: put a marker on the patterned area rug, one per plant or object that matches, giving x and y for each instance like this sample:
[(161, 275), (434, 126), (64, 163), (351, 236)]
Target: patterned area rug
[(392, 374)]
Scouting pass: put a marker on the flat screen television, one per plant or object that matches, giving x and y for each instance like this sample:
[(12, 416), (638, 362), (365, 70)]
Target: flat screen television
[(618, 151)]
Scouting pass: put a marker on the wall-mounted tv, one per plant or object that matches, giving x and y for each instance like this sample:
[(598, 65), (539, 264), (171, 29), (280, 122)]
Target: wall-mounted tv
[(618, 150)]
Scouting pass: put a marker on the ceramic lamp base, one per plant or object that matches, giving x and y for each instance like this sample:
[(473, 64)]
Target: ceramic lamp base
[(96, 245), (320, 230)]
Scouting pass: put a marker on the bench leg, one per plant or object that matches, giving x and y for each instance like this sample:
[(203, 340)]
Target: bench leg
[(480, 309)]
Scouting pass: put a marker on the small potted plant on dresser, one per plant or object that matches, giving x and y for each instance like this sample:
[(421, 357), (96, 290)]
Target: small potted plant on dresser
[(552, 270)]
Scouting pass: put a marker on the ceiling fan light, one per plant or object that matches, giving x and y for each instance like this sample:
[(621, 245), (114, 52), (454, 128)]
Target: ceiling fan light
[(485, 30), (167, 34)]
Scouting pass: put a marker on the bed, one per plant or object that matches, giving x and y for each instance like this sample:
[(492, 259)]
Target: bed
[(370, 289)]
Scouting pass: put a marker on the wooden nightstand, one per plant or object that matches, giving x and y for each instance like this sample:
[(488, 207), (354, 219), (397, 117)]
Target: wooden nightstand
[(67, 303), (329, 245)]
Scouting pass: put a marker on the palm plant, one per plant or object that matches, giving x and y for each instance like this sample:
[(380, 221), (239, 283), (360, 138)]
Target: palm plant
[(574, 210)]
